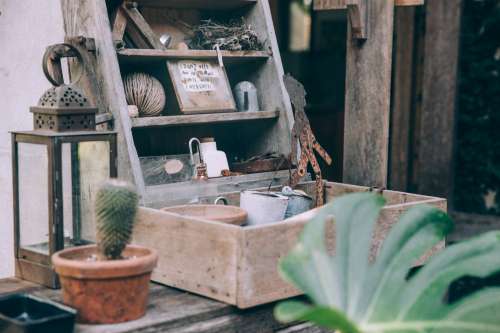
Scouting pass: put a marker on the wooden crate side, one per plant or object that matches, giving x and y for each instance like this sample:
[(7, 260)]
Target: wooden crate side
[(261, 249), (263, 246), (390, 216), (393, 197), (195, 255)]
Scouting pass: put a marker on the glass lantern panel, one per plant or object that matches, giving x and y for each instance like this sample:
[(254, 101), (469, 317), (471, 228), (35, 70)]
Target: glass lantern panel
[(33, 187), (86, 165)]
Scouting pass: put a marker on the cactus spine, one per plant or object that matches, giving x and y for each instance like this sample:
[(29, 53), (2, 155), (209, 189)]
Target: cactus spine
[(115, 208)]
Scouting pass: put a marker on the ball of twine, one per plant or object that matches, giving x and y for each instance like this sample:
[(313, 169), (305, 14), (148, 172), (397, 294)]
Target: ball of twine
[(146, 92)]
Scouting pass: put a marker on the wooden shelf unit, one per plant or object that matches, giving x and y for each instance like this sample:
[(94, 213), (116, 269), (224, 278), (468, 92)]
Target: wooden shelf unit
[(240, 135), (130, 56), (201, 119)]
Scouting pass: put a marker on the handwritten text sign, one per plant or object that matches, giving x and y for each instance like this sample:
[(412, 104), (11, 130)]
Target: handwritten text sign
[(198, 76)]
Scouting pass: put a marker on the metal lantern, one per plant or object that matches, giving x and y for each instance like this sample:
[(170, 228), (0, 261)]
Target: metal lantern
[(56, 170)]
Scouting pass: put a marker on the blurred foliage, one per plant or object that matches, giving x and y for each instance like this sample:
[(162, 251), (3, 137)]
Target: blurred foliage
[(478, 151)]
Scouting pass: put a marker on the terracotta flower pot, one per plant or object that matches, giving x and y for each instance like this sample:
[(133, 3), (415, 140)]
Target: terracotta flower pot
[(105, 292)]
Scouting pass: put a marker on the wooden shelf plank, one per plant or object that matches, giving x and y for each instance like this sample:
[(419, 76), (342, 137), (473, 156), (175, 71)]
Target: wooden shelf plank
[(197, 4), (199, 119), (341, 4), (147, 55)]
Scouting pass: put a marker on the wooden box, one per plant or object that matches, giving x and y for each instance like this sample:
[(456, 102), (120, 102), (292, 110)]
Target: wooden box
[(238, 265)]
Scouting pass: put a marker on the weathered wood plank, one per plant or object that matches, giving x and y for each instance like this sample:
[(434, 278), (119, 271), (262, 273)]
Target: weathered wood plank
[(368, 86), (229, 57), (171, 310), (90, 19), (469, 225), (341, 4), (138, 29), (245, 272), (119, 25), (402, 98), (167, 121), (186, 4), (437, 117)]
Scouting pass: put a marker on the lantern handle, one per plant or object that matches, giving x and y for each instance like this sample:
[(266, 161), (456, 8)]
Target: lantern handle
[(51, 63)]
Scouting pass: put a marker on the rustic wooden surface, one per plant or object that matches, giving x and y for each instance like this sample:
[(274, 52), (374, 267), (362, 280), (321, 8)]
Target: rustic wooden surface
[(402, 98), (90, 19), (368, 87), (229, 57), (341, 4), (211, 118), (139, 30), (236, 264), (469, 225), (437, 115), (213, 4), (170, 310)]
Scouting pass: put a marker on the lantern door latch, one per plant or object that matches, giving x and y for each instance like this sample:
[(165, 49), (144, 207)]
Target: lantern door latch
[(359, 18)]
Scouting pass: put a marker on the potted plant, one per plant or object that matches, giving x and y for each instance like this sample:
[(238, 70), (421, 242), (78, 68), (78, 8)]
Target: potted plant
[(108, 282), (349, 294)]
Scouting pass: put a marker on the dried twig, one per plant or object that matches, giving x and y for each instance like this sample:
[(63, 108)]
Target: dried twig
[(233, 36)]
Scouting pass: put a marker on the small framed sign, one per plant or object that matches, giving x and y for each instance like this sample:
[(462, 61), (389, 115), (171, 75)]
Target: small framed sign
[(201, 86)]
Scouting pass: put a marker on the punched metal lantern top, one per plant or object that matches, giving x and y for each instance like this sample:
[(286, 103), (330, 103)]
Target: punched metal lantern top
[(64, 107)]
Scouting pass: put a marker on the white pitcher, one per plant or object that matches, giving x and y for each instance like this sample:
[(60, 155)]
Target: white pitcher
[(215, 160)]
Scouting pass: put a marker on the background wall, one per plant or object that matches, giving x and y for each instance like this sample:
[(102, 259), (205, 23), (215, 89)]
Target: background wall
[(26, 28)]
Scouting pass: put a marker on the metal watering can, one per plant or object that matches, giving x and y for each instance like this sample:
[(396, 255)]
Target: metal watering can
[(269, 207)]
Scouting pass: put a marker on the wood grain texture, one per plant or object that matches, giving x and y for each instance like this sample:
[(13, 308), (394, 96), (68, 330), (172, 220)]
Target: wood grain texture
[(469, 225), (90, 19), (199, 257), (437, 118), (188, 4), (139, 30), (129, 56), (402, 98), (341, 4), (171, 310), (368, 86), (245, 271), (168, 121)]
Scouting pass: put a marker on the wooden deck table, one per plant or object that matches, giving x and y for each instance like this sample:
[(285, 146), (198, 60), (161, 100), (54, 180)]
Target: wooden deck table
[(171, 310)]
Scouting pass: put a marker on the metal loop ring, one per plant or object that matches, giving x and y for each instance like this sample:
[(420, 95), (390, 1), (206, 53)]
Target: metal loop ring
[(222, 199), (54, 54)]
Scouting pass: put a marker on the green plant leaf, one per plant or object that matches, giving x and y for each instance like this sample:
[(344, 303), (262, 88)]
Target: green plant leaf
[(308, 265), (330, 318), (418, 230), (355, 218), (423, 296), (379, 298)]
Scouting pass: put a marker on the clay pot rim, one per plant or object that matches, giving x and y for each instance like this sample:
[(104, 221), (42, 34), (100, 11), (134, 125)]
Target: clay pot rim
[(237, 220), (145, 262)]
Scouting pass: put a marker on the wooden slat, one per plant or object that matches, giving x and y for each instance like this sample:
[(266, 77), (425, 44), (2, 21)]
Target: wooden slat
[(368, 87), (147, 55), (402, 98), (341, 4), (139, 30), (469, 225), (90, 19), (202, 4), (170, 310), (436, 126), (215, 118)]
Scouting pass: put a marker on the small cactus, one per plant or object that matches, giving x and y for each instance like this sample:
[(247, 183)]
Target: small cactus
[(115, 208)]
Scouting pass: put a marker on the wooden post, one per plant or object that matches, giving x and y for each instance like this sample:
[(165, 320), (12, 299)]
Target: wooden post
[(368, 87), (402, 98), (90, 19), (437, 114)]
